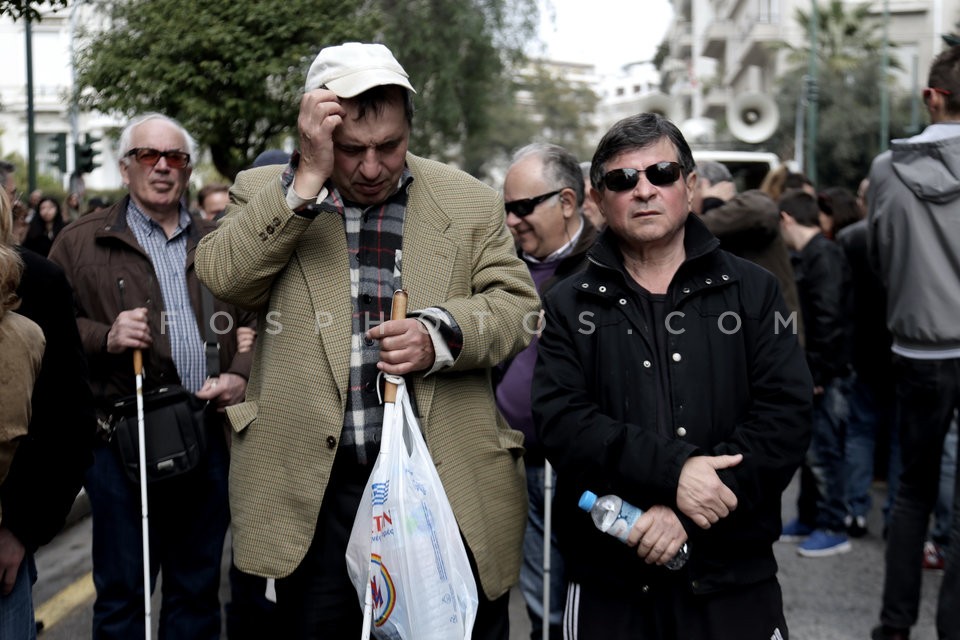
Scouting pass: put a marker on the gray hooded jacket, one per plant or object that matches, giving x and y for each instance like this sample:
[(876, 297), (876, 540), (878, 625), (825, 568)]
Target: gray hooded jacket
[(914, 239)]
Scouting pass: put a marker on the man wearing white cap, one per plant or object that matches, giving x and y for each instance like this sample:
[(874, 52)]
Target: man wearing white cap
[(318, 246)]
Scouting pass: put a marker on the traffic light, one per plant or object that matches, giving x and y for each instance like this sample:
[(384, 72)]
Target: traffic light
[(84, 153), (58, 152)]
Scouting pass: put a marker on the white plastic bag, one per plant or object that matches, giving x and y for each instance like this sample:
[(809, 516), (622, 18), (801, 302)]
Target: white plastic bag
[(405, 546)]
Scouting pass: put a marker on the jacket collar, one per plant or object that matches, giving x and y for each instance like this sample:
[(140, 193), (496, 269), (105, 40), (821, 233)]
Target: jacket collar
[(697, 243), (587, 239), (704, 267), (115, 227)]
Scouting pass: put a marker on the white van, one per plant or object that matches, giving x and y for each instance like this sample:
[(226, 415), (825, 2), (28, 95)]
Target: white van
[(747, 167)]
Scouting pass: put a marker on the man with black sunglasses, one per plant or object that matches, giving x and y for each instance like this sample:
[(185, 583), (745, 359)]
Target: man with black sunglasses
[(666, 375), (543, 196), (132, 270)]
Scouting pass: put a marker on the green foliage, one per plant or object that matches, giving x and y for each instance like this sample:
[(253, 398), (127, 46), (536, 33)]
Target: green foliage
[(564, 112), (231, 73), (847, 35), (849, 75), (458, 53), (662, 55), (17, 9)]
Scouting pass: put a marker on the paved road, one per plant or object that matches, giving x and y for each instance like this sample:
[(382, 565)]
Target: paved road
[(838, 598), (826, 599), (64, 591)]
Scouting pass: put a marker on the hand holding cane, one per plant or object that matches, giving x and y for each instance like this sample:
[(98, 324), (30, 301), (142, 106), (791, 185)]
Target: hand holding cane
[(145, 521), (398, 311)]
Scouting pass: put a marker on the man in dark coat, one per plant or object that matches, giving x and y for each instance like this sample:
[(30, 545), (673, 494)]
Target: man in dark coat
[(666, 376), (543, 198), (132, 269)]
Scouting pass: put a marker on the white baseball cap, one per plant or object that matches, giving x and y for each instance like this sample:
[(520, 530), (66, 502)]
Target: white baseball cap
[(350, 69)]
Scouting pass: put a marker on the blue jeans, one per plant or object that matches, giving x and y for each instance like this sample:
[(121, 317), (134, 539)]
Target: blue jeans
[(942, 510), (188, 516), (531, 571), (928, 394), (825, 455), (870, 412), (16, 608)]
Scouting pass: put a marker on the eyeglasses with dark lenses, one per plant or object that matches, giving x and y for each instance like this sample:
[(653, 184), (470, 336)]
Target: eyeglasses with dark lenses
[(150, 157), (523, 208), (659, 175)]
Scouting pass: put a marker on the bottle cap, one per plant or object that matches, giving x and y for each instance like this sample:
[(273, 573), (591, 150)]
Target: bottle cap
[(587, 500)]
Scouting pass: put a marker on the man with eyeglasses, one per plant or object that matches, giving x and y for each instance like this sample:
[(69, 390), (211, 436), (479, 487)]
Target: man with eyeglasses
[(543, 196), (667, 377), (131, 267), (319, 245), (913, 242)]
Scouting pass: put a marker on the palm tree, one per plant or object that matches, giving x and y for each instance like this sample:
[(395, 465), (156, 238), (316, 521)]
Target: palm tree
[(848, 53)]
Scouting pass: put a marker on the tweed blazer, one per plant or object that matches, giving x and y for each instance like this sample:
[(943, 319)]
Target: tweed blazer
[(457, 254)]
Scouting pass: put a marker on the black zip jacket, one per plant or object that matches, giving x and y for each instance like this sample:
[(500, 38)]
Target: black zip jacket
[(826, 299), (738, 383)]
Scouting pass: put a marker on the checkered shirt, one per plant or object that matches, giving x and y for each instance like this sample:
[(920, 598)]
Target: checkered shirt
[(169, 258)]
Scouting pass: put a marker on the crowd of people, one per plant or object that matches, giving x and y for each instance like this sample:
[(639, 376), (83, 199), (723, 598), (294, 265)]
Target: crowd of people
[(694, 348)]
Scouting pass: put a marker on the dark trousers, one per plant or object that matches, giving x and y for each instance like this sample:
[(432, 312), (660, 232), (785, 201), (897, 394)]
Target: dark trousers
[(669, 610), (318, 601), (928, 393), (250, 616), (188, 518)]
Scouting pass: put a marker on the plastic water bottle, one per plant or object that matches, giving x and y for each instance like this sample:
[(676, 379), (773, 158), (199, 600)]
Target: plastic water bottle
[(615, 516)]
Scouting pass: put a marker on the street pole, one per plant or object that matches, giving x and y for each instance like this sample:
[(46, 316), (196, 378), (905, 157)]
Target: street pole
[(884, 86), (76, 179), (798, 132), (813, 96), (31, 136), (915, 96)]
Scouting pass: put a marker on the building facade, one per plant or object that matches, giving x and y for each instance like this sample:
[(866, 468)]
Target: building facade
[(721, 49)]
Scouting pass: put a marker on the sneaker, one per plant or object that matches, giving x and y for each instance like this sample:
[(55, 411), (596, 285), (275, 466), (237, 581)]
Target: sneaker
[(884, 632), (823, 543), (856, 526), (932, 556), (795, 531)]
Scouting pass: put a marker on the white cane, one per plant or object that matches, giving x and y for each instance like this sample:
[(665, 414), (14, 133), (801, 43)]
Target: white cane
[(398, 311), (145, 522), (547, 516)]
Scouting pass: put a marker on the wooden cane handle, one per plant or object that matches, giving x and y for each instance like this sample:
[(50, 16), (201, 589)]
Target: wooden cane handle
[(398, 311), (137, 362)]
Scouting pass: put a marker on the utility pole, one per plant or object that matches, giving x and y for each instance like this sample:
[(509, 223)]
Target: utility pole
[(915, 96), (813, 95), (31, 135), (76, 184), (798, 132)]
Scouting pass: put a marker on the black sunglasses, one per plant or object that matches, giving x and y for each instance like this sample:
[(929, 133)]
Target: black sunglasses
[(150, 157), (523, 208), (659, 175)]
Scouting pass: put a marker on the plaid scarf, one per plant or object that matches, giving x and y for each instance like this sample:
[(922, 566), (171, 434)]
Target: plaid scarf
[(375, 245)]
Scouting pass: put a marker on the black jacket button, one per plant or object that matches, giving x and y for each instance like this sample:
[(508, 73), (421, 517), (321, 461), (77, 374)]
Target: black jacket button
[(331, 442)]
